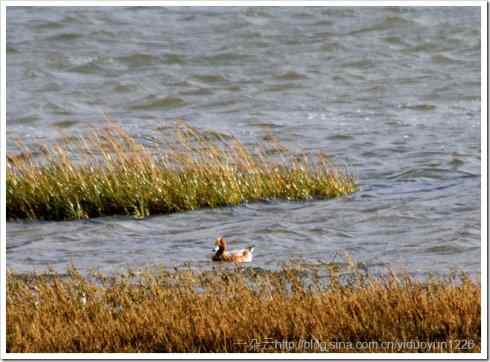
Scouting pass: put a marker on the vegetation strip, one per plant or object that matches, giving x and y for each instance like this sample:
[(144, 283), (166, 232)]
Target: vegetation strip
[(241, 310), (109, 173)]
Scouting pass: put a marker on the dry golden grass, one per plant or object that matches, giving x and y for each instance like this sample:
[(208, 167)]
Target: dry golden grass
[(241, 310), (108, 172)]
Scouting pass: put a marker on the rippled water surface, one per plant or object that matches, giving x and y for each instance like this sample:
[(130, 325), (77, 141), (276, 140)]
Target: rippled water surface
[(392, 92)]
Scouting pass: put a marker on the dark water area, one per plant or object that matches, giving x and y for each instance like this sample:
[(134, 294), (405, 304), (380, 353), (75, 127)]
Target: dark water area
[(393, 93)]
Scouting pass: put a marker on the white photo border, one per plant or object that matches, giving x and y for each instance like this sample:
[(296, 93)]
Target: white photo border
[(227, 3)]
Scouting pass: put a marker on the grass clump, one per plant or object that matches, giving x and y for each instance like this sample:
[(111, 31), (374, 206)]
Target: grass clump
[(108, 173), (241, 310)]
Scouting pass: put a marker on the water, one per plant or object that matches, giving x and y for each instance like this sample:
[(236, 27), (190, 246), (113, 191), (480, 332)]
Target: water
[(392, 92)]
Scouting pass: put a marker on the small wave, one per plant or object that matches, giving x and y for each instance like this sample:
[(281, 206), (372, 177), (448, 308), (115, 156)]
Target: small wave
[(123, 88), (222, 59), (359, 64), (197, 92), (429, 173), (233, 88), (220, 103), (27, 119), (323, 22), (162, 102), (393, 40), (282, 87), (138, 60), (174, 59), (103, 35), (57, 109), (266, 125), (210, 78), (425, 47), (48, 25), (442, 59), (388, 23), (444, 250), (11, 50), (89, 68), (73, 19), (420, 107), (291, 75), (65, 37), (256, 12), (340, 136), (65, 124), (456, 162)]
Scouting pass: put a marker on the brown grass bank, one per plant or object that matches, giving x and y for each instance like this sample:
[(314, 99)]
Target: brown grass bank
[(108, 172), (241, 311)]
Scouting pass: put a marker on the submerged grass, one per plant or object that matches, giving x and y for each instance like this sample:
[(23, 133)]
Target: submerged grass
[(108, 172), (241, 310)]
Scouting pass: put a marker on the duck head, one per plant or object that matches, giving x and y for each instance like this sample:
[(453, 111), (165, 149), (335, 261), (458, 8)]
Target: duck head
[(219, 245)]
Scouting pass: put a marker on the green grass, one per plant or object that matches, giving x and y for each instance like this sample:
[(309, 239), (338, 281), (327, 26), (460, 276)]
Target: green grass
[(242, 310), (107, 172)]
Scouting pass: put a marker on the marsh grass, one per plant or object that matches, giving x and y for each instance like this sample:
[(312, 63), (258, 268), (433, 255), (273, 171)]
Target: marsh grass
[(108, 172), (241, 310)]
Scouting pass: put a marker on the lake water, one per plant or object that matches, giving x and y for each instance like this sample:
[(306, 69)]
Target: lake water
[(394, 93)]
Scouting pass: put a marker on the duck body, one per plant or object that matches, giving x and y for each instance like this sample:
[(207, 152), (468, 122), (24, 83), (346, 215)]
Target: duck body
[(237, 256)]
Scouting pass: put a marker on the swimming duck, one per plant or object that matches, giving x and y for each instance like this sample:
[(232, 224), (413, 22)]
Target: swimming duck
[(238, 256)]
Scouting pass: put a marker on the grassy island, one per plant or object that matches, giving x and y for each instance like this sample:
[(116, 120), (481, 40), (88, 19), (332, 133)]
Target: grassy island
[(108, 172), (242, 310)]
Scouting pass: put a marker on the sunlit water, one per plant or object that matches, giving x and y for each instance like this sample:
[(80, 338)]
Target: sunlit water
[(393, 93)]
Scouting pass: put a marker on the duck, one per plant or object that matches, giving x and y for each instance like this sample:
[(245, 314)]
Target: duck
[(237, 256)]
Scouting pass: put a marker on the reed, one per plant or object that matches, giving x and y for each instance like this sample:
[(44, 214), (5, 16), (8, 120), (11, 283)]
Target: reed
[(108, 172), (241, 310)]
